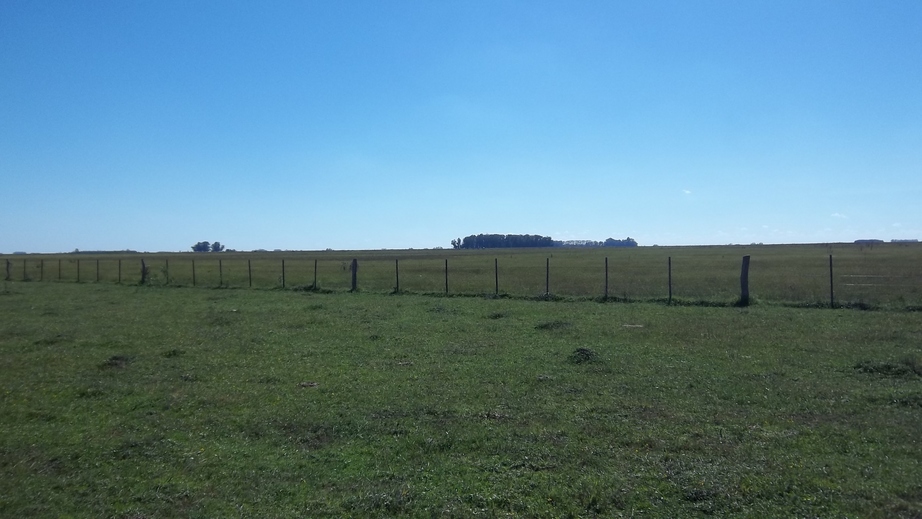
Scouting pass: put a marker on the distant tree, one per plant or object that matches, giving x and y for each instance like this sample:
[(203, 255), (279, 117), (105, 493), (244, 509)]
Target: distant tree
[(217, 247), (202, 246), (456, 244)]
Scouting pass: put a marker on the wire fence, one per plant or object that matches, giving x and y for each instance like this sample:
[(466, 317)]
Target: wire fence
[(847, 279)]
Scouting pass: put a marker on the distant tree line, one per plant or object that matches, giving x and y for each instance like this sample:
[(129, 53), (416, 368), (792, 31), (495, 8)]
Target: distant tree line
[(204, 246), (501, 241)]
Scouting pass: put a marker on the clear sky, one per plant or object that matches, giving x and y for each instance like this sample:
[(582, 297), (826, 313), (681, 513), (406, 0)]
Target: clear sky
[(154, 124)]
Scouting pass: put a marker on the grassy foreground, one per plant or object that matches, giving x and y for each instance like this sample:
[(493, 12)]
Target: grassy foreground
[(135, 402)]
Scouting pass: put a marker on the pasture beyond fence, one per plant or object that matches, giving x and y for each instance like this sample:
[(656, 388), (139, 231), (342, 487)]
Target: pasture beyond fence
[(837, 275)]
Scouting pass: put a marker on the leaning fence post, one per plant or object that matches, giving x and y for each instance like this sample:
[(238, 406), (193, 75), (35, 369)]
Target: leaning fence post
[(670, 279), (832, 299), (354, 268), (744, 282), (145, 270)]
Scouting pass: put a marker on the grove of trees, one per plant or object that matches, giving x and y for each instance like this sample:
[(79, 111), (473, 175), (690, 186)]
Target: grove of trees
[(204, 246)]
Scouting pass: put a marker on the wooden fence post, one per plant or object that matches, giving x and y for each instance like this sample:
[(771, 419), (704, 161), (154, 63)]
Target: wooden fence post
[(446, 276), (832, 298), (670, 279), (145, 270), (78, 269), (25, 275), (167, 270), (496, 273), (119, 272), (315, 274), (744, 283), (97, 271), (250, 274), (193, 273), (7, 277), (283, 273), (397, 274), (606, 277), (59, 270), (220, 273), (354, 268), (547, 278), (41, 275)]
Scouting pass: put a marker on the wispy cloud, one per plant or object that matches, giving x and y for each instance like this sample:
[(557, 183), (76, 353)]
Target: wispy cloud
[(839, 215), (686, 191)]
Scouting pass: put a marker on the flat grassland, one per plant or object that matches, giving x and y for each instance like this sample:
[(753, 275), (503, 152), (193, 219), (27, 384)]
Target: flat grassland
[(882, 275), (152, 401)]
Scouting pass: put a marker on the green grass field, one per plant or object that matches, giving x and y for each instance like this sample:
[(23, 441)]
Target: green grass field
[(884, 275), (142, 402)]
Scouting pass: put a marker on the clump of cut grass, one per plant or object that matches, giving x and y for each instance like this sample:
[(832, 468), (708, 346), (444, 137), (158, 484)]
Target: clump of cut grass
[(116, 361), (909, 366), (552, 325), (584, 356)]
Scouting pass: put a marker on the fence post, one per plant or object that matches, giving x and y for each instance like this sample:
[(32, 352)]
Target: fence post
[(547, 278), (220, 273), (670, 279), (167, 270), (250, 274), (59, 270), (744, 283), (41, 274), (25, 275), (283, 273), (193, 273), (496, 273), (446, 276), (145, 270), (832, 298), (397, 274), (119, 272), (315, 274), (97, 271), (606, 277), (78, 269), (354, 268)]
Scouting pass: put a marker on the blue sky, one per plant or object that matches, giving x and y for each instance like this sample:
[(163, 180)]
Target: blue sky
[(152, 125)]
